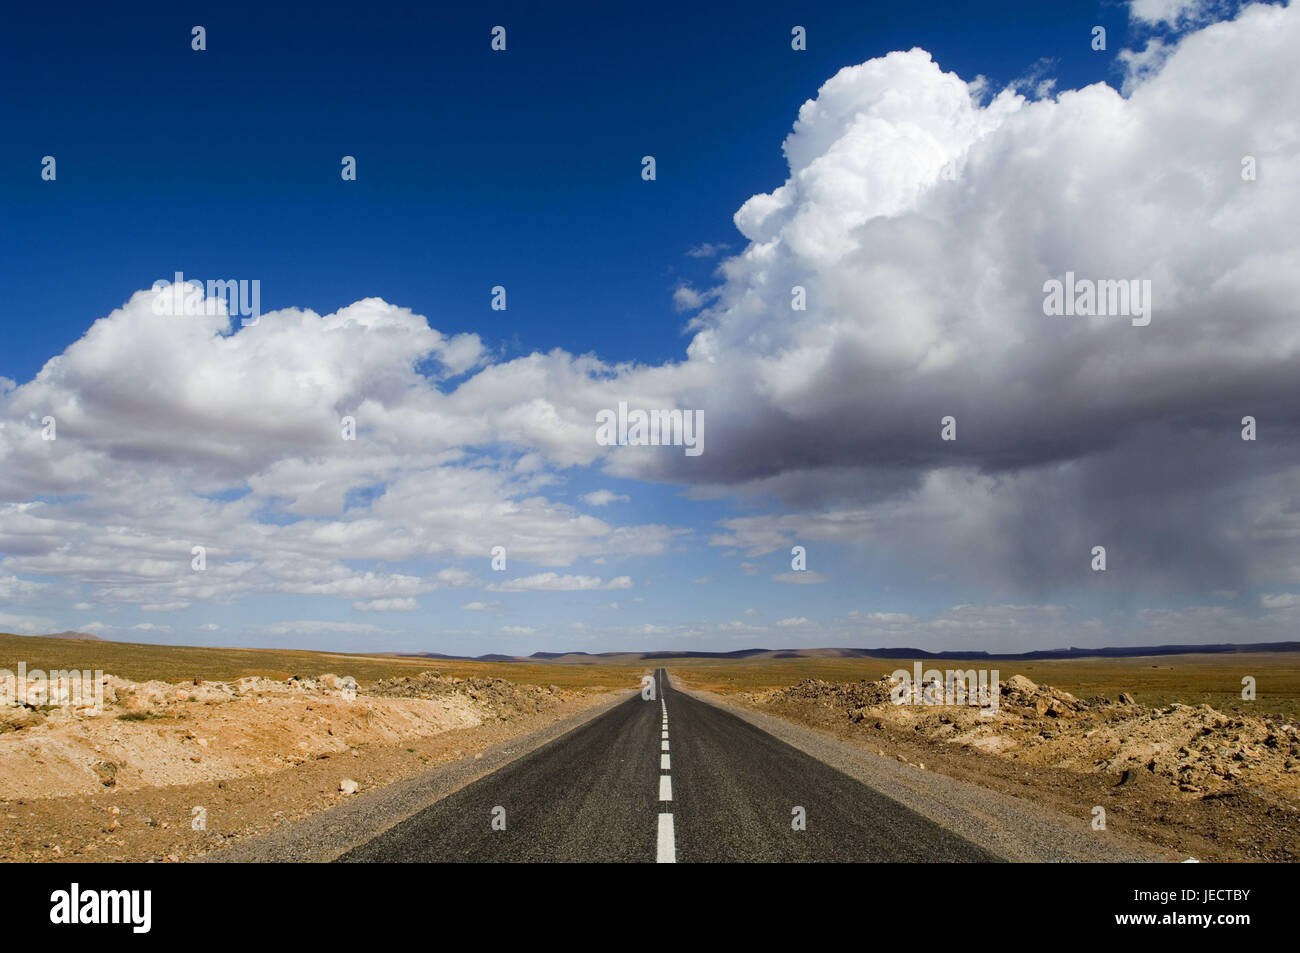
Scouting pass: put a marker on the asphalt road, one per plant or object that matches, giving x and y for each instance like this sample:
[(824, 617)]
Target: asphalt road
[(671, 779)]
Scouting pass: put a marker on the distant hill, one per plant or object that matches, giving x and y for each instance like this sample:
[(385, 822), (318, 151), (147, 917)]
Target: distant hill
[(1218, 648), (72, 635)]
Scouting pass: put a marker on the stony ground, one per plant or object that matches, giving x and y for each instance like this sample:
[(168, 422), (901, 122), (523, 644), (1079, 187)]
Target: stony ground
[(1215, 785), (168, 771)]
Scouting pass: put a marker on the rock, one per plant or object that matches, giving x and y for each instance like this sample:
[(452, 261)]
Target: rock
[(348, 786), (11, 719), (1018, 683), (107, 772), (1131, 777), (1126, 699)]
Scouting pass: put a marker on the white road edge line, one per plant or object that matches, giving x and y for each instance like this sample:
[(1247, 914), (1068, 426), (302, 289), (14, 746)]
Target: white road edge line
[(667, 853)]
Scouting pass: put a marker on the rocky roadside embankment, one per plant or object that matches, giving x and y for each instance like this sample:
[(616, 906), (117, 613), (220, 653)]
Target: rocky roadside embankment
[(1218, 785), (134, 779)]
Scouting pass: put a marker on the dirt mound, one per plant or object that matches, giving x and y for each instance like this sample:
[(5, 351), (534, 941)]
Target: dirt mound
[(1200, 750), (855, 697), (497, 696), (1204, 750), (157, 733)]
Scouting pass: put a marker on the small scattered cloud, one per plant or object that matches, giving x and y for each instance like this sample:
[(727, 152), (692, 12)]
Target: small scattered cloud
[(27, 625), (1285, 600), (386, 605), (1173, 13), (554, 582), (707, 250), (799, 578), (316, 627), (453, 578), (686, 298)]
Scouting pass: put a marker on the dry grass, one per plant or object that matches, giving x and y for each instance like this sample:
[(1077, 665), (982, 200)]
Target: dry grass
[(174, 663), (1158, 680)]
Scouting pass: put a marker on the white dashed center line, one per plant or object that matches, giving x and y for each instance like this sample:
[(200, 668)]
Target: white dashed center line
[(667, 843), (667, 853)]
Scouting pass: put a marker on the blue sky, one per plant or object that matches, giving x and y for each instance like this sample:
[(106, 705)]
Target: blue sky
[(522, 169), (475, 168)]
